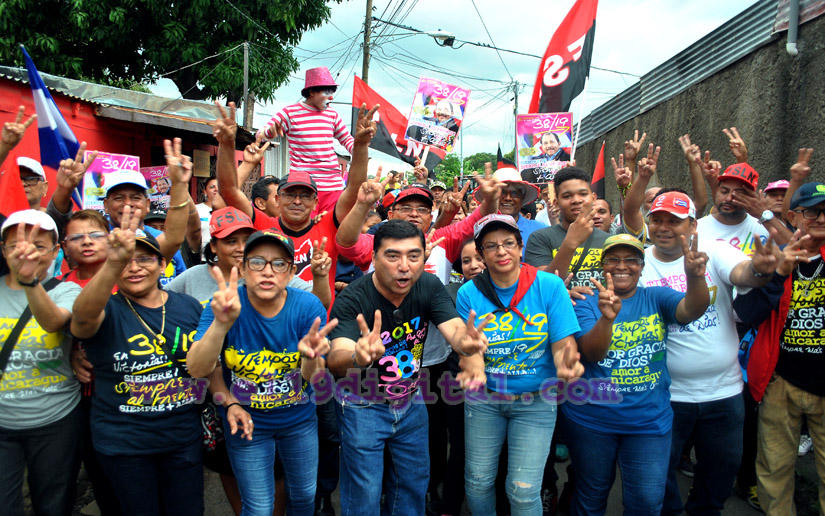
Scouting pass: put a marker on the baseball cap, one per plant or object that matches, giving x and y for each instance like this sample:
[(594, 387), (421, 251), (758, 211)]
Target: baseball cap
[(675, 203), (32, 165), (155, 215), (270, 235), (491, 222), (30, 218), (414, 191), (623, 239), (508, 174), (809, 194), (226, 221), (438, 184), (741, 172), (123, 177), (390, 197), (142, 237), (297, 178), (782, 184)]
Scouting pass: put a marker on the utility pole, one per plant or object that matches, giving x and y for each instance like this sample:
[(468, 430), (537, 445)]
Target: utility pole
[(365, 67), (515, 117), (246, 109)]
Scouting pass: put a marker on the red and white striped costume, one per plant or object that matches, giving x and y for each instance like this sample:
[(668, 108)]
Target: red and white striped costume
[(310, 133)]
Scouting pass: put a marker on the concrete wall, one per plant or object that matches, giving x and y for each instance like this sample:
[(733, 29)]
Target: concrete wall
[(776, 101)]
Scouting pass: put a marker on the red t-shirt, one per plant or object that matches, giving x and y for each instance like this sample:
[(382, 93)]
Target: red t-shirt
[(71, 277), (303, 239)]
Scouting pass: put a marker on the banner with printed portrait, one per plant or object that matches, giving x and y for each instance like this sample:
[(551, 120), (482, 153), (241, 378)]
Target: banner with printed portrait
[(544, 142), (436, 114), (157, 179)]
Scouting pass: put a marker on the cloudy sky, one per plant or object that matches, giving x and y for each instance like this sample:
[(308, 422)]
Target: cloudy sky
[(631, 37)]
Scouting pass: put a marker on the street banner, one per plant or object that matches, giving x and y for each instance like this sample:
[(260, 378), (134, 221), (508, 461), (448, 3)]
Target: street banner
[(543, 143), (437, 113)]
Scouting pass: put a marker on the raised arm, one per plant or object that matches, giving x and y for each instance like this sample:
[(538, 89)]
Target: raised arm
[(799, 176), (253, 154), (13, 132), (69, 174), (365, 129), (224, 130), (320, 265), (756, 272), (693, 156), (349, 231), (577, 234), (595, 343), (202, 356), (181, 206), (697, 296), (88, 311), (313, 346), (737, 145), (632, 149)]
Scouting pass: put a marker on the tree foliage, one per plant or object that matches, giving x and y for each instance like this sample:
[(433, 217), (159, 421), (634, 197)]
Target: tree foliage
[(449, 167), (139, 41), (475, 163)]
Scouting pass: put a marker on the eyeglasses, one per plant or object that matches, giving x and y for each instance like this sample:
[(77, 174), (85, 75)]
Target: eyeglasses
[(258, 264), (304, 196), (492, 247), (406, 210), (144, 260), (613, 261), (810, 213), (513, 193), (31, 180), (79, 237)]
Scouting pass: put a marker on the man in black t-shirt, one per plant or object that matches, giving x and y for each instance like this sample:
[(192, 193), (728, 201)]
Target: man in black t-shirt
[(383, 324)]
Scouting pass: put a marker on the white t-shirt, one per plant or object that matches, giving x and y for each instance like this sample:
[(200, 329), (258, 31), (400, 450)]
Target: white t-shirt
[(205, 213), (702, 356), (739, 236)]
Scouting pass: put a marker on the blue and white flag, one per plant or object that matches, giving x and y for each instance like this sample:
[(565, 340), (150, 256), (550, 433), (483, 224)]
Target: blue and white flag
[(57, 141)]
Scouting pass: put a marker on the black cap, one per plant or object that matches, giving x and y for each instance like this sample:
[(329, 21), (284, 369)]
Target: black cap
[(155, 215), (270, 235), (142, 237)]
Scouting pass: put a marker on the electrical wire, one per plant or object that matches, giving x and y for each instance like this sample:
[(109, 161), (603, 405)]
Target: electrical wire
[(199, 62), (491, 40)]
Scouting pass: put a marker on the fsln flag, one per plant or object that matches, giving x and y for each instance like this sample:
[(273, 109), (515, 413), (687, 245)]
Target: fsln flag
[(597, 182), (392, 126), (566, 62), (502, 162), (12, 194), (57, 141)]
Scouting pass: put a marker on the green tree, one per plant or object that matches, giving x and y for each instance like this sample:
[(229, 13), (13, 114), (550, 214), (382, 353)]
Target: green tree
[(141, 41), (449, 167), (475, 163), (510, 155)]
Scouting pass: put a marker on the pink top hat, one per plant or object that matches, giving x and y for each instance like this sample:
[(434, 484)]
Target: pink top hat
[(317, 77)]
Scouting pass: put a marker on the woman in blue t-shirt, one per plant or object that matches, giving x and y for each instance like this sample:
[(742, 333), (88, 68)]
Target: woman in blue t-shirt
[(530, 332), (619, 411), (268, 339)]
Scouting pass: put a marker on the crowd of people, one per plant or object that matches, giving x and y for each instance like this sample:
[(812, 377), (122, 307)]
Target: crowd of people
[(411, 346)]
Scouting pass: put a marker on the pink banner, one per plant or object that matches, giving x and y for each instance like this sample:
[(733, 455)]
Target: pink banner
[(159, 184), (544, 142), (437, 112), (95, 180)]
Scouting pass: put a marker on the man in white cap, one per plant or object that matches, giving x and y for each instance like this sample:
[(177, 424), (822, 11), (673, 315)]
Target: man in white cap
[(515, 194), (309, 127)]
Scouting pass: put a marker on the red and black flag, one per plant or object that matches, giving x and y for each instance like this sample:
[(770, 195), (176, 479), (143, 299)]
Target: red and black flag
[(501, 162), (597, 182), (566, 62), (392, 126)]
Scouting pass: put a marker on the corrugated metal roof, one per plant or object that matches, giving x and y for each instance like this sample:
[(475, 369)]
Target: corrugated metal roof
[(732, 41)]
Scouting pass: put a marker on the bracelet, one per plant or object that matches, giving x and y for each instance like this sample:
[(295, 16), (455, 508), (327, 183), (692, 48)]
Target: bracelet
[(180, 206), (462, 353), (757, 274), (30, 284), (231, 404)]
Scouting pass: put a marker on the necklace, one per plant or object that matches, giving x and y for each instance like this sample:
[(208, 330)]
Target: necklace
[(809, 280), (159, 336)]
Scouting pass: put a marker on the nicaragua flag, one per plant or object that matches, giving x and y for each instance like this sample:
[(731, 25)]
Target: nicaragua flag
[(57, 141)]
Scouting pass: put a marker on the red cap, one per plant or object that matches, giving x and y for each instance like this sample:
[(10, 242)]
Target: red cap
[(741, 172), (675, 203), (226, 221), (408, 192), (298, 178), (390, 198)]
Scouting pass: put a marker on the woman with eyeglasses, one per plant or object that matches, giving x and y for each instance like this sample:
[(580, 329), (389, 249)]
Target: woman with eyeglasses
[(619, 412), (85, 245), (530, 332), (145, 420), (268, 339)]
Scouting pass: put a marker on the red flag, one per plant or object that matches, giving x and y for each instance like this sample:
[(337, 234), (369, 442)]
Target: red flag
[(597, 182), (12, 195), (566, 62), (501, 162), (392, 127)]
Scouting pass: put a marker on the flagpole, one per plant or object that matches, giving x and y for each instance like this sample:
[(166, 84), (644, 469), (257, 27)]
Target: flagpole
[(579, 125)]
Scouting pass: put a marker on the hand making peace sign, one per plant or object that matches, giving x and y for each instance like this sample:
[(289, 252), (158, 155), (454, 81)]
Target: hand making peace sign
[(315, 343), (226, 306), (369, 347)]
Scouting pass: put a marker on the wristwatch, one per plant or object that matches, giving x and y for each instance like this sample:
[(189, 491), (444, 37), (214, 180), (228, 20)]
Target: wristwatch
[(32, 283), (766, 216)]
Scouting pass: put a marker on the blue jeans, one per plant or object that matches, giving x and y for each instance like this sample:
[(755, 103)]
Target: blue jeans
[(717, 428), (366, 429), (253, 461), (643, 460), (528, 429), (143, 482)]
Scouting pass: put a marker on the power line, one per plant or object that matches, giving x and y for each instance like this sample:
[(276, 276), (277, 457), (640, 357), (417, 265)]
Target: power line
[(202, 60), (491, 40)]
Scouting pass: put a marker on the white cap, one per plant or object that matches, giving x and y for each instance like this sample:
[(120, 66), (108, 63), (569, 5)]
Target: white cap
[(32, 165), (30, 218), (124, 177)]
